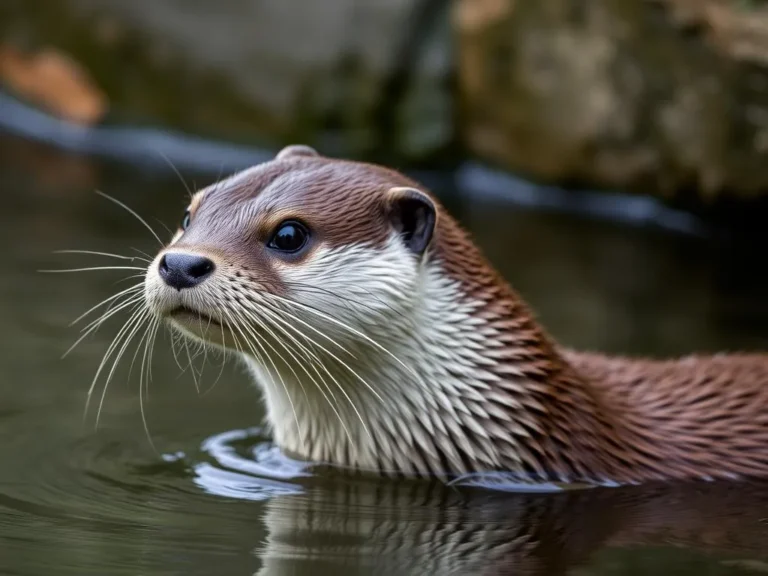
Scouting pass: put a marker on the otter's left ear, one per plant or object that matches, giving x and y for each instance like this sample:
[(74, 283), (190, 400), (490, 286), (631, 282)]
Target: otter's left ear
[(413, 215)]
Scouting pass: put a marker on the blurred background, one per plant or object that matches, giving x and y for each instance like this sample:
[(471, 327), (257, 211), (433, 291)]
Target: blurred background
[(609, 156)]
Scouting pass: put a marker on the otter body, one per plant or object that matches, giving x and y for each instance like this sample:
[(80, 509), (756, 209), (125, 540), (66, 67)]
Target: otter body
[(383, 340)]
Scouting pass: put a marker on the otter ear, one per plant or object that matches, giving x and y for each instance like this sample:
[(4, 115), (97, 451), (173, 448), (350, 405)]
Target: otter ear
[(295, 150), (413, 215)]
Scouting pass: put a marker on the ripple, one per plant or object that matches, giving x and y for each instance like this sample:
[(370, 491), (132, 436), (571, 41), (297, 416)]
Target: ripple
[(247, 467), (244, 465), (106, 504), (93, 477)]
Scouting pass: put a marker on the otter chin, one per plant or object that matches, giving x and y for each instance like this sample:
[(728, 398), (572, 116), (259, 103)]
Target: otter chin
[(382, 340)]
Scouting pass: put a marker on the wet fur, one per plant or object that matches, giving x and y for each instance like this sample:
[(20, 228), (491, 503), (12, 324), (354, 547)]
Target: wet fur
[(483, 387)]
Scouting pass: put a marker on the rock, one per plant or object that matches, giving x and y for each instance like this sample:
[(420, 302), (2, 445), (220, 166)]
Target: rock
[(663, 96), (268, 71)]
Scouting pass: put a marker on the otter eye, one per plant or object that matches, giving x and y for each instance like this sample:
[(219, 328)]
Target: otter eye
[(290, 236), (185, 220)]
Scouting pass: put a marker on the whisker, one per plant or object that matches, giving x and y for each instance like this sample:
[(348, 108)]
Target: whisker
[(279, 375), (345, 326), (265, 327), (133, 212), (95, 323), (173, 167), (164, 225), (191, 366), (99, 321), (105, 301), (336, 296), (173, 348), (149, 257), (149, 334), (331, 354), (205, 393), (204, 343), (135, 314), (92, 269), (238, 346), (341, 388), (156, 327), (141, 275), (128, 330), (96, 253), (306, 324)]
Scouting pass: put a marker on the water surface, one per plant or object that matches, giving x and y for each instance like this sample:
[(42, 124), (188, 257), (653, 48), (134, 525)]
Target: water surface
[(211, 497)]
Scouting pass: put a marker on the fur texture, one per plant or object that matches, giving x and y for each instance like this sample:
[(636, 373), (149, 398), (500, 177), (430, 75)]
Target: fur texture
[(375, 355)]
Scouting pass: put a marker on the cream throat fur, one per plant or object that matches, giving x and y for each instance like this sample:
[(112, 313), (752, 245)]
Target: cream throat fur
[(368, 419), (383, 341)]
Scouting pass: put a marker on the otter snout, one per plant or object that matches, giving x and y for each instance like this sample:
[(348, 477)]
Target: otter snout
[(180, 270)]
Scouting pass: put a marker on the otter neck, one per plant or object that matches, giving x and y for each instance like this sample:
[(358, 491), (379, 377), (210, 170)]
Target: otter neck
[(468, 383)]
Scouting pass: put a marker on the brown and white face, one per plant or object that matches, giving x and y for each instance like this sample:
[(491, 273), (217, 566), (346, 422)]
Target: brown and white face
[(297, 250)]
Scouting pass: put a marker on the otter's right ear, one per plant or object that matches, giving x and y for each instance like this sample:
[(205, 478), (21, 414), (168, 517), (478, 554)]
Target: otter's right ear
[(413, 215), (295, 150)]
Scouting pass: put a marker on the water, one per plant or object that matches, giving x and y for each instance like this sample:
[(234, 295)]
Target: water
[(215, 498)]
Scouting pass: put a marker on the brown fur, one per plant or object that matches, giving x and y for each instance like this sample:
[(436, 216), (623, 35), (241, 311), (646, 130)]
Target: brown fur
[(582, 416)]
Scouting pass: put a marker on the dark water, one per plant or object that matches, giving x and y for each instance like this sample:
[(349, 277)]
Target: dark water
[(212, 498)]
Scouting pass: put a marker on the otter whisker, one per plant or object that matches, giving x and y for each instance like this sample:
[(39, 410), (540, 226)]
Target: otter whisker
[(261, 360), (345, 301), (148, 336), (264, 327), (190, 359), (149, 257), (336, 296), (107, 254), (174, 352), (173, 167), (92, 269), (238, 346), (278, 308), (346, 327), (106, 300), (132, 212), (178, 338), (192, 356), (283, 344), (153, 336), (331, 354), (274, 366), (164, 225), (115, 305), (136, 313), (204, 344), (322, 365), (96, 323), (238, 349), (131, 277), (126, 335), (223, 360), (131, 301)]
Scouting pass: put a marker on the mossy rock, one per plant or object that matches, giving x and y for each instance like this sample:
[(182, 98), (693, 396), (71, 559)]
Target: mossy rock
[(664, 97)]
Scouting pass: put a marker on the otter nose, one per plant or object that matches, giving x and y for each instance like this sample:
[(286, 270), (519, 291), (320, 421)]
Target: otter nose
[(184, 270)]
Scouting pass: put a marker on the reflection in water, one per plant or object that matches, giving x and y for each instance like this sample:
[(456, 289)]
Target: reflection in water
[(78, 501), (414, 528)]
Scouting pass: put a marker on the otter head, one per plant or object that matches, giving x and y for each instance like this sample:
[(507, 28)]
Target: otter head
[(316, 272), (302, 247)]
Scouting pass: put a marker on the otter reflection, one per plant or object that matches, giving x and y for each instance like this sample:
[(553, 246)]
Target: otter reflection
[(415, 529)]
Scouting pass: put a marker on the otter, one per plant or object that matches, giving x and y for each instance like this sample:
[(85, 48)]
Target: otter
[(382, 340)]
